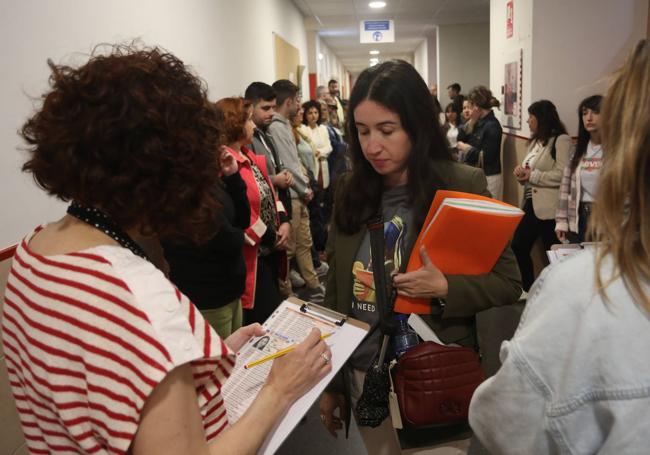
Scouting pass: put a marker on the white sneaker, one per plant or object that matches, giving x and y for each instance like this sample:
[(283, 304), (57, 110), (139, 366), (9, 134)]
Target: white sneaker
[(322, 268), (297, 281), (316, 295)]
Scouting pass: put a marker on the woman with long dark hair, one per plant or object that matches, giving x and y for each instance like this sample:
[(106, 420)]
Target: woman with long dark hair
[(540, 174), (580, 178), (451, 128), (398, 163)]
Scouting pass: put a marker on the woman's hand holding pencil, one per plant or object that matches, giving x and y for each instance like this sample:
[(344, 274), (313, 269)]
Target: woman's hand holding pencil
[(282, 352), (297, 371)]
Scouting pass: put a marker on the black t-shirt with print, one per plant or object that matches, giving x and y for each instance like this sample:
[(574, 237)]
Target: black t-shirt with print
[(397, 220)]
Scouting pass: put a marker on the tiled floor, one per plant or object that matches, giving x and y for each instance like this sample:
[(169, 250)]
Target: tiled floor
[(310, 438)]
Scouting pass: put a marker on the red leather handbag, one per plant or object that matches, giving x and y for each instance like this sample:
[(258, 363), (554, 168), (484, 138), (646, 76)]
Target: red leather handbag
[(434, 383)]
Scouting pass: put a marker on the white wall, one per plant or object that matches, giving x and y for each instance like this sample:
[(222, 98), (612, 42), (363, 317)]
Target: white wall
[(502, 50), (578, 44), (569, 48), (432, 57), (330, 67), (425, 58), (229, 44), (463, 57), (421, 60)]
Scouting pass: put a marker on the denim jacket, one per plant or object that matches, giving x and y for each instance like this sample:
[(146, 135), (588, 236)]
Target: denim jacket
[(576, 376)]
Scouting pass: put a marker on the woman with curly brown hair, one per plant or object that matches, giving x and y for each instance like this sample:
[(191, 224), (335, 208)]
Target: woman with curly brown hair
[(267, 236), (104, 354)]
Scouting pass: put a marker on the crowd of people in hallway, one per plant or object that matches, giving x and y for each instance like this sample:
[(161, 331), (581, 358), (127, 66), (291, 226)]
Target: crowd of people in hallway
[(191, 220), (474, 133), (280, 162), (559, 178)]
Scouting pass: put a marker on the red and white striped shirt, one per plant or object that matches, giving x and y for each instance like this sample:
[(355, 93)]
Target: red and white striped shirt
[(87, 338)]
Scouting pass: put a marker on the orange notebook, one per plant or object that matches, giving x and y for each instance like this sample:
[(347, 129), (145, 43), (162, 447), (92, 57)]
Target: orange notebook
[(464, 234)]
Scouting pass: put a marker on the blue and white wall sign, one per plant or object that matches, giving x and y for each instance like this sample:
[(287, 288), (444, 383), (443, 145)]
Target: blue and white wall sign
[(377, 31)]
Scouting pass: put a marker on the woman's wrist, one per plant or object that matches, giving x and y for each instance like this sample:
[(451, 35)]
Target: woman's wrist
[(281, 399)]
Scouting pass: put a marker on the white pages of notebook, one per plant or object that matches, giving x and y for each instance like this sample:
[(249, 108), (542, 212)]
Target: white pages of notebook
[(475, 205)]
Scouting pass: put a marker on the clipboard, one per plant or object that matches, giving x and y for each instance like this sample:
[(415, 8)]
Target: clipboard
[(292, 317), (562, 250), (322, 312)]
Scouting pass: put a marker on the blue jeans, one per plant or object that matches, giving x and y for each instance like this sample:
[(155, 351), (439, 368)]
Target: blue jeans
[(584, 212)]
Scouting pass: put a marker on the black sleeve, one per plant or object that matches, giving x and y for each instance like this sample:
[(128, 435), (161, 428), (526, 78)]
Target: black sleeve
[(229, 234), (491, 143), (285, 198), (236, 189), (471, 156), (462, 133), (269, 237), (488, 141)]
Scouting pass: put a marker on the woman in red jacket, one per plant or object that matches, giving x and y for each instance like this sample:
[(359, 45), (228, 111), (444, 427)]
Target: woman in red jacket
[(266, 238)]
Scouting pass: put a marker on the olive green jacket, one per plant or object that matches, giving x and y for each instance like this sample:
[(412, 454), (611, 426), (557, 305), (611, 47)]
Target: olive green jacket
[(468, 294)]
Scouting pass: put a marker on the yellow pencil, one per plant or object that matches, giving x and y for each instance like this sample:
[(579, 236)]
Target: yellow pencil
[(279, 353)]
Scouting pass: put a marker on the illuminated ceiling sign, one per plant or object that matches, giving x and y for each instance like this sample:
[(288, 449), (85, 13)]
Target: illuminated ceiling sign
[(377, 31)]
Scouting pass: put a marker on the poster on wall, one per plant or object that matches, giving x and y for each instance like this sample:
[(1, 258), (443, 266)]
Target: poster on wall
[(511, 90), (510, 18)]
